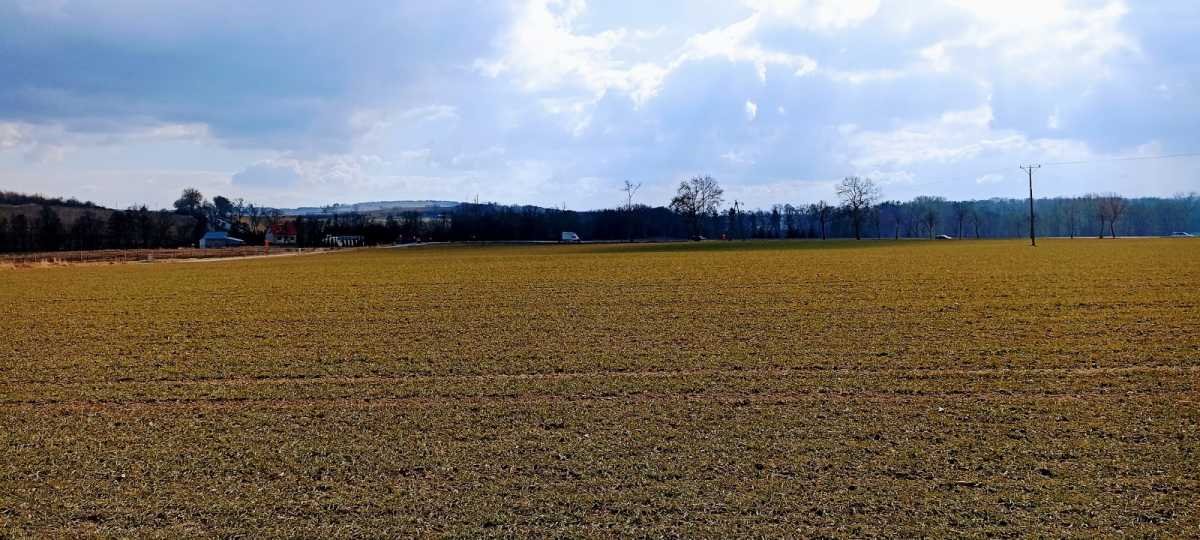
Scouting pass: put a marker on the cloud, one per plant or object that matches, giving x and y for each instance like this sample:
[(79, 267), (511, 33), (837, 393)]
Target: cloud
[(338, 171), (816, 14), (12, 134), (735, 43), (542, 51), (1041, 41), (269, 174), (257, 75), (552, 101)]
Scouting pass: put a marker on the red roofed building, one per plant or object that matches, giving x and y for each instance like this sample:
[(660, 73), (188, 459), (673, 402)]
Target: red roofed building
[(283, 233)]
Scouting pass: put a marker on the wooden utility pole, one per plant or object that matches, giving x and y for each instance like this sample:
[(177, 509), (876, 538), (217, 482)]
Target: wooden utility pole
[(1029, 169)]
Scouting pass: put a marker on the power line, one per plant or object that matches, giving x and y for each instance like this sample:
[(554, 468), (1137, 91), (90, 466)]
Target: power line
[(1129, 158), (1079, 162)]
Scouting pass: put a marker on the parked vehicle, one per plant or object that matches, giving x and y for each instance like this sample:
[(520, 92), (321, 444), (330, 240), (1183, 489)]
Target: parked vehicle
[(944, 237), (1180, 235), (570, 237)]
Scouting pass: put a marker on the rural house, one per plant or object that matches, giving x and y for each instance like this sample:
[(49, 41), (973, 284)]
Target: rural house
[(219, 239), (283, 234)]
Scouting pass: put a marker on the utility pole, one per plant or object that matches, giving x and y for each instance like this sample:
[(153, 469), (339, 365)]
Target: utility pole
[(737, 219), (1029, 169)]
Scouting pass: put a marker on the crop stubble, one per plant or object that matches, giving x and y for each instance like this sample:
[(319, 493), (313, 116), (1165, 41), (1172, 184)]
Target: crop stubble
[(765, 388)]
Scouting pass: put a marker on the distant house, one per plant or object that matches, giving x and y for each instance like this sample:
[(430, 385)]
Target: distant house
[(219, 239), (283, 234)]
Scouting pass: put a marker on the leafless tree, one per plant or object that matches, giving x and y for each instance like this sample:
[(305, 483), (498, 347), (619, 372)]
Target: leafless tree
[(255, 215), (857, 195), (1071, 208), (824, 214), (630, 190), (791, 220), (697, 198), (1092, 202), (962, 209), (1183, 204), (273, 217), (1111, 207), (929, 212), (976, 220)]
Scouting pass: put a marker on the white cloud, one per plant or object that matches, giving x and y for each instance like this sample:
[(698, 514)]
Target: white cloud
[(1044, 41), (1052, 121), (864, 76), (953, 137), (430, 113), (45, 143), (751, 111), (735, 43), (737, 157), (544, 53), (344, 170), (816, 14), (13, 134)]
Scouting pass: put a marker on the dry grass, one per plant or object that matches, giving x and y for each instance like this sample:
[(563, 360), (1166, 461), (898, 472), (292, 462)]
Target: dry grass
[(778, 389), (44, 259)]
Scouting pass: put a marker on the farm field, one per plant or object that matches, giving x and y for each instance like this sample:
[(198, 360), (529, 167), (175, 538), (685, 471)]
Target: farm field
[(697, 389)]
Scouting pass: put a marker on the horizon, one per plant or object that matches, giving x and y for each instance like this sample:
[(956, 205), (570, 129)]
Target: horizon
[(557, 103)]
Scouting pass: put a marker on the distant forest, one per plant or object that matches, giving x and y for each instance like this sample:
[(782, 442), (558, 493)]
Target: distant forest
[(36, 223)]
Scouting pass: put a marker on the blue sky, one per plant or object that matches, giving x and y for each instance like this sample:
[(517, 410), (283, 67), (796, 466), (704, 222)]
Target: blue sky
[(558, 102)]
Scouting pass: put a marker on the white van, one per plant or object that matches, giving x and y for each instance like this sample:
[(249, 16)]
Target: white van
[(569, 237)]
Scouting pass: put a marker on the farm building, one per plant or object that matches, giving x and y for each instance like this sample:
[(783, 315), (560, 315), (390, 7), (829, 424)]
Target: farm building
[(219, 239), (283, 234), (345, 241)]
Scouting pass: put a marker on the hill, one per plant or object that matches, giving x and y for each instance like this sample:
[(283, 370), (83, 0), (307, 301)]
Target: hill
[(370, 207)]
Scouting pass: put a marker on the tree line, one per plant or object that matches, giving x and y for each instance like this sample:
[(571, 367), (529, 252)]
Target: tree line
[(697, 210)]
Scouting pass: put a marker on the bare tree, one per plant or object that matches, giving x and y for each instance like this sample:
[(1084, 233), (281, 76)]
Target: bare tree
[(697, 198), (961, 210), (630, 190), (791, 220), (255, 215), (857, 195), (976, 220), (1092, 202), (929, 212), (1071, 208), (1182, 207), (824, 214), (273, 217), (1111, 207)]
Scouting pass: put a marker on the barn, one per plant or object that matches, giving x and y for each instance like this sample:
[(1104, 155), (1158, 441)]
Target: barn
[(219, 239)]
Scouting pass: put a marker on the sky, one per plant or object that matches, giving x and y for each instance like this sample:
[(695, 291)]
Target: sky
[(557, 103)]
